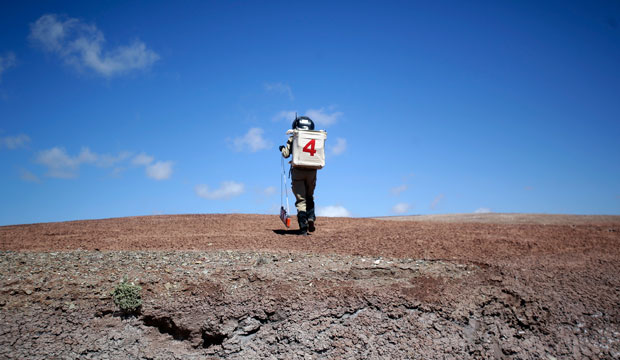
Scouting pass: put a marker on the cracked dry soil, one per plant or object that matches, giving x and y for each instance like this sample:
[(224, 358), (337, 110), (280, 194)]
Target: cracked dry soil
[(357, 288)]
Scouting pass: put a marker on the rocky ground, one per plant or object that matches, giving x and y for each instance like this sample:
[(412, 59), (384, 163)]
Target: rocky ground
[(239, 287)]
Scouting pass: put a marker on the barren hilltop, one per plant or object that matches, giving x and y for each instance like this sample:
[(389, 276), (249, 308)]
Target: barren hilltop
[(240, 286)]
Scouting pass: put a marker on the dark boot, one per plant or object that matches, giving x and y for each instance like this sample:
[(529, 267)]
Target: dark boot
[(311, 227), (302, 218), (311, 219)]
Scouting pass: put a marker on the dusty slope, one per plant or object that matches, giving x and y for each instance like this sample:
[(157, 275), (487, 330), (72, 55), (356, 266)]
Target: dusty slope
[(238, 286)]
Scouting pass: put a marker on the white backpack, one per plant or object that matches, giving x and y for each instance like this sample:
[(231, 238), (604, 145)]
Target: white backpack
[(308, 148)]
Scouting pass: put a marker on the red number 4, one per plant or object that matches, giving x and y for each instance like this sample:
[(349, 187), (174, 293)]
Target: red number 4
[(309, 148)]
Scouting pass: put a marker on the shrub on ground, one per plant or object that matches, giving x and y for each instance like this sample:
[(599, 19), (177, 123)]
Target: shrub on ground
[(127, 296)]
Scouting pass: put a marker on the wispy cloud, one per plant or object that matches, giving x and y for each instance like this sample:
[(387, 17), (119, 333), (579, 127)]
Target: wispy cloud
[(161, 170), (333, 211), (411, 175), (28, 176), (14, 142), (340, 147), (321, 116), (287, 115), (401, 208), (106, 160), (142, 159), (268, 191), (116, 173), (281, 88), (264, 193), (62, 165), (227, 190), (253, 141), (482, 210), (399, 189), (437, 200), (7, 61), (324, 117), (82, 46)]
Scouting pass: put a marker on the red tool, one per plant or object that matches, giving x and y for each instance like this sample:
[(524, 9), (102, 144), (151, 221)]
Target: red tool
[(284, 217)]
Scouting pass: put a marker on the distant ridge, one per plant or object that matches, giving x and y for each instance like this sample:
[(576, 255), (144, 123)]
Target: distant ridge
[(511, 218)]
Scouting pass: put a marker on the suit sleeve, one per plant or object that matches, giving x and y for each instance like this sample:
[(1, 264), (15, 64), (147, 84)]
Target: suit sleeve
[(286, 150)]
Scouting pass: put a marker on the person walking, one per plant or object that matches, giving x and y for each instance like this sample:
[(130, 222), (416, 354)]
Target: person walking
[(303, 181)]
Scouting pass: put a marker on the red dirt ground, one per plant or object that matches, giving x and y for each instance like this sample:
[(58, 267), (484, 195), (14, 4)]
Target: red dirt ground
[(239, 286)]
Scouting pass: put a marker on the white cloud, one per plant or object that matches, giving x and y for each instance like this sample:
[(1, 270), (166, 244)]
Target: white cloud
[(280, 88), (106, 160), (28, 176), (333, 211), (227, 190), (340, 147), (87, 156), (142, 159), (7, 61), (14, 142), (401, 208), (253, 140), (322, 117), (81, 45), (482, 210), (101, 160), (399, 189), (62, 165), (436, 201), (160, 170)]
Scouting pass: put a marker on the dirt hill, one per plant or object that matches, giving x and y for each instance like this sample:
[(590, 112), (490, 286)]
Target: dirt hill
[(240, 286)]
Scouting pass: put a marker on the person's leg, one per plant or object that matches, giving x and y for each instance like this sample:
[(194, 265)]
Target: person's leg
[(299, 189), (310, 186)]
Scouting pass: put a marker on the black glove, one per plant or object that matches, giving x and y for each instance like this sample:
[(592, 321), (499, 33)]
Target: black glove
[(281, 147)]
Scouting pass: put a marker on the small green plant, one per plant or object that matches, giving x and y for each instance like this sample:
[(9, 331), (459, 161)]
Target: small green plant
[(127, 296)]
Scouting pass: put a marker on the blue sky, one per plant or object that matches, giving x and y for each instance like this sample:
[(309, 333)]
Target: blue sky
[(114, 109)]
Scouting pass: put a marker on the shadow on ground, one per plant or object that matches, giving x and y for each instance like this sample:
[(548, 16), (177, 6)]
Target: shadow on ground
[(286, 232)]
